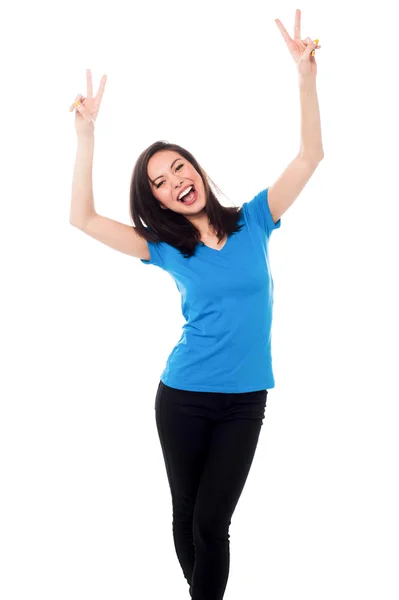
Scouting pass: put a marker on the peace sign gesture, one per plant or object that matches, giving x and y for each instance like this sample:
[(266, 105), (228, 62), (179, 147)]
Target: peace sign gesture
[(87, 108), (302, 51)]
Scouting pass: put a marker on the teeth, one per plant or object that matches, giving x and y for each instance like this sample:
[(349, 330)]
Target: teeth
[(187, 191)]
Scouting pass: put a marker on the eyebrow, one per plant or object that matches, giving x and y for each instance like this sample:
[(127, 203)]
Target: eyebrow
[(171, 166)]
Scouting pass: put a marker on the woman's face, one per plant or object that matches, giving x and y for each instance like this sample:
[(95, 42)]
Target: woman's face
[(169, 174)]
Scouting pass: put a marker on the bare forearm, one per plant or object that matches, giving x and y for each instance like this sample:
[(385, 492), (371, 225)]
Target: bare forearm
[(311, 143), (82, 204)]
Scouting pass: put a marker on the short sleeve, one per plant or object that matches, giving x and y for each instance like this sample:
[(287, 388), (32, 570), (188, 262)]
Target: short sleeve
[(258, 210), (156, 251)]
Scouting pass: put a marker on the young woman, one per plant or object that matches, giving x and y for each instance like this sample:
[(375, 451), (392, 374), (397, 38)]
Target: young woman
[(212, 394)]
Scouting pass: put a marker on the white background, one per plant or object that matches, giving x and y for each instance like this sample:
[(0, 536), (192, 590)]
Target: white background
[(85, 507)]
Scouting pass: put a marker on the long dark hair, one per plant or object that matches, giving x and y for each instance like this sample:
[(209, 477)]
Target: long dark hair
[(166, 225)]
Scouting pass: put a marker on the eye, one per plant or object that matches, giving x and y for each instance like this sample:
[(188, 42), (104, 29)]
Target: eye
[(177, 168)]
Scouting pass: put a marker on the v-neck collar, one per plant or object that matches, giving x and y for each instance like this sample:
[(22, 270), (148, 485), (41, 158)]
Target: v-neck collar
[(215, 249)]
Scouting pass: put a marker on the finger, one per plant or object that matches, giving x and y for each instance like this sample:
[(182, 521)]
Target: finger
[(78, 98), (101, 89), (308, 41), (297, 27), (308, 50), (316, 42), (89, 84), (283, 30), (72, 105), (85, 113)]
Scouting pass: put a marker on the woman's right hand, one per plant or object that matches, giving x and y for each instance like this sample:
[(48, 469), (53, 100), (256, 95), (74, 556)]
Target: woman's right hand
[(86, 113)]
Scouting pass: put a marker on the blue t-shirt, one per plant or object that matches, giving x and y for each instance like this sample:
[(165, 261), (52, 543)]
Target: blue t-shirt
[(227, 302)]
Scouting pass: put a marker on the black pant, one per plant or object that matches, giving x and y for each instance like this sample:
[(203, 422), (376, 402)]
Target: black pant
[(208, 442)]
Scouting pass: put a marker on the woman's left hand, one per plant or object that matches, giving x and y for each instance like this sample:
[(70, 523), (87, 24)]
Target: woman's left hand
[(300, 49)]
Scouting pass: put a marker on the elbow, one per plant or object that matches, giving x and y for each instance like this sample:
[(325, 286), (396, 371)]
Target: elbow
[(75, 224), (313, 159)]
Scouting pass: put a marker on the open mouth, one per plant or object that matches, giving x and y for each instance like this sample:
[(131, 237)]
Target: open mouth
[(191, 197)]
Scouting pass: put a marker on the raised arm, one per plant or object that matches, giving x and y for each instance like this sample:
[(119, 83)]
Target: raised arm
[(83, 215)]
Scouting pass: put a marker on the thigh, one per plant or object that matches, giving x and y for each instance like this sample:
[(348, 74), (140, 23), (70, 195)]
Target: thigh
[(231, 451), (184, 428)]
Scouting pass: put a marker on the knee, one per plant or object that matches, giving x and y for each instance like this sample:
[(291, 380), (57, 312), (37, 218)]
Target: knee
[(211, 527)]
